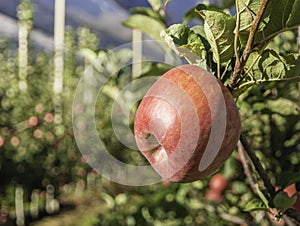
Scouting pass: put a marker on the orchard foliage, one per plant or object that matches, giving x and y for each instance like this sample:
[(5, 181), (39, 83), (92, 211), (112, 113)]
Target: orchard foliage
[(251, 48), (36, 150)]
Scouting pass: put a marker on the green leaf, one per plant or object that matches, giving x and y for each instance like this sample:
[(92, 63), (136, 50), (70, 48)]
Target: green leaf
[(282, 201), (219, 27), (191, 14), (187, 43), (148, 12), (283, 106), (279, 16), (166, 2), (294, 18), (148, 25), (179, 33), (270, 66), (155, 4), (288, 178), (224, 4), (254, 205)]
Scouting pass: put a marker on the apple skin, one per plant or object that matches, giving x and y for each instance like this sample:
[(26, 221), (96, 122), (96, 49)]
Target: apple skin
[(213, 195), (174, 121), (218, 183)]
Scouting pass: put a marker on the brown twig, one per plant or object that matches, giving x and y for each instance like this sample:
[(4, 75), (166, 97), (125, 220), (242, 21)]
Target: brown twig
[(291, 213), (236, 36), (246, 167), (259, 168), (294, 215), (253, 29), (289, 221)]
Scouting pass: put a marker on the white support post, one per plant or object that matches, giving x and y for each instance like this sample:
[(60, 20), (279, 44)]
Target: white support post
[(59, 33), (136, 53), (20, 218)]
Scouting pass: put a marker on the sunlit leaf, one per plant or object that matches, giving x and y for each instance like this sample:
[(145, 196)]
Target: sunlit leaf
[(155, 4), (254, 205), (166, 2), (278, 16), (186, 43), (148, 12), (270, 66), (219, 27), (148, 25)]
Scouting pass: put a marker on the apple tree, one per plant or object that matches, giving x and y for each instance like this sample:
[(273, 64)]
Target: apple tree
[(251, 48)]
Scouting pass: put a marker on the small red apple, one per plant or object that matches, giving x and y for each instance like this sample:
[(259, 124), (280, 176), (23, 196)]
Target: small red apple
[(187, 124), (39, 108), (48, 117), (33, 121), (290, 190), (38, 133), (218, 183), (2, 141), (14, 141), (214, 196)]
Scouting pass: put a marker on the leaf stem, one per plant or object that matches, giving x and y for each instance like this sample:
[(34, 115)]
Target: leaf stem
[(262, 196), (253, 29)]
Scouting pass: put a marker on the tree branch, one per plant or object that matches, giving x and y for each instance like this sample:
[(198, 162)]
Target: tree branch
[(245, 164), (291, 213), (241, 62), (294, 215), (259, 168)]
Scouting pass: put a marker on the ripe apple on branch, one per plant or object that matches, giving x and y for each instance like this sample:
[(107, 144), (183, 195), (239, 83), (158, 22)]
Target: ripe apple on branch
[(187, 124)]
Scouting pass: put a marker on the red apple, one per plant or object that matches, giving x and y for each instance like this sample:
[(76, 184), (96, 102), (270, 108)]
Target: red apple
[(187, 124), (290, 190), (2, 141), (48, 117), (214, 196), (33, 121), (38, 133), (14, 141), (218, 183), (39, 108)]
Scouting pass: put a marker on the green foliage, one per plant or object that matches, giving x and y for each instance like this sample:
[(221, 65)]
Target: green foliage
[(288, 178), (155, 4), (187, 39), (255, 205), (147, 24), (150, 13), (278, 17), (282, 201), (46, 153), (219, 27)]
